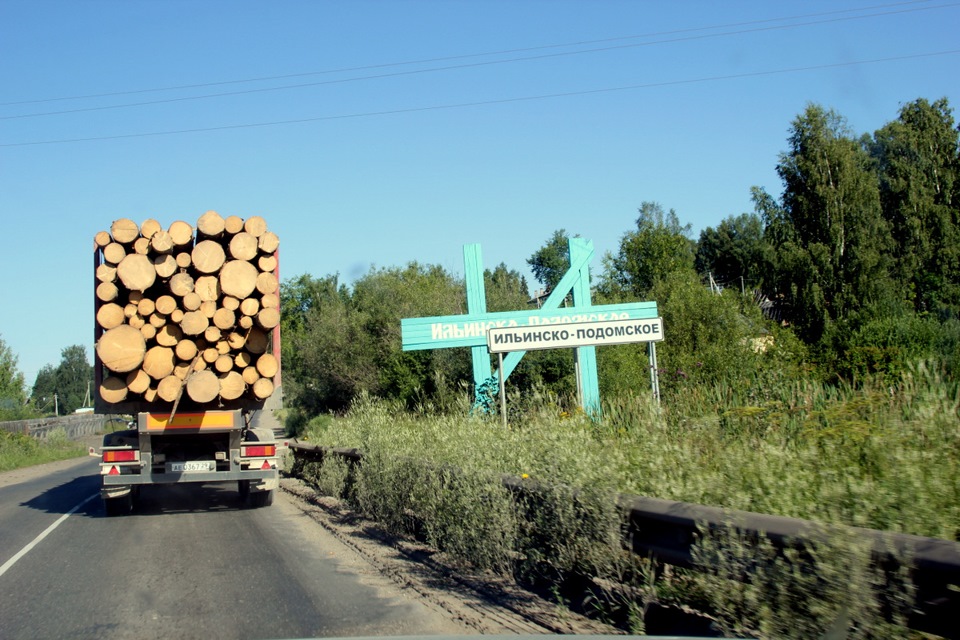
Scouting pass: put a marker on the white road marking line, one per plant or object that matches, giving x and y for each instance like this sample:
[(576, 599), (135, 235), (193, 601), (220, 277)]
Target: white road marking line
[(12, 561)]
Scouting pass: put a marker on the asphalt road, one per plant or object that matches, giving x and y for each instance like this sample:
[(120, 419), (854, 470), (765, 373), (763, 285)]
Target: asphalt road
[(188, 563)]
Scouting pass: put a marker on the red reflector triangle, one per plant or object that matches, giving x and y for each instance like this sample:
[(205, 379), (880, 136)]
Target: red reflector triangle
[(265, 465), (114, 471)]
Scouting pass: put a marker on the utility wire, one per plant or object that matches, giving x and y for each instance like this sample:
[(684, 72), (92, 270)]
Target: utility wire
[(479, 103), (469, 65)]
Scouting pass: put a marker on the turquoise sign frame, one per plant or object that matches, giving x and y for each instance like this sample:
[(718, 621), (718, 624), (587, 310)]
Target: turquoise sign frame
[(470, 330)]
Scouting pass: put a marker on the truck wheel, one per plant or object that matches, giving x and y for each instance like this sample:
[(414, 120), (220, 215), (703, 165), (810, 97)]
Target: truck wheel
[(243, 488), (118, 506), (261, 499)]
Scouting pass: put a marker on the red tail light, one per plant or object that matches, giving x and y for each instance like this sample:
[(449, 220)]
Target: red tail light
[(122, 455), (265, 465), (259, 451), (114, 471)]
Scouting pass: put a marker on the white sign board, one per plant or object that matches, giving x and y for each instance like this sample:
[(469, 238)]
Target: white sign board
[(574, 334)]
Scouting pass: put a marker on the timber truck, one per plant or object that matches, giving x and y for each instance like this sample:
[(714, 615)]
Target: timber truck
[(188, 351)]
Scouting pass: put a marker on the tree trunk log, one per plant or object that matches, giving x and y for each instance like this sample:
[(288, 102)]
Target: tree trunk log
[(208, 257), (136, 272), (238, 278), (124, 231), (121, 349)]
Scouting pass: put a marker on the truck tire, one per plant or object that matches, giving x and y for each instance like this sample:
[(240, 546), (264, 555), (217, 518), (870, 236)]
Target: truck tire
[(243, 488), (260, 499), (118, 506)]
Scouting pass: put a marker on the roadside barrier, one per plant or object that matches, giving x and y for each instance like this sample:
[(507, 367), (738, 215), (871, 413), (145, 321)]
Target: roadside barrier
[(76, 425), (667, 531)]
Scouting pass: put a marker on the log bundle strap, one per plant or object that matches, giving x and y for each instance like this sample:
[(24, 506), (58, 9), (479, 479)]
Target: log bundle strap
[(187, 309)]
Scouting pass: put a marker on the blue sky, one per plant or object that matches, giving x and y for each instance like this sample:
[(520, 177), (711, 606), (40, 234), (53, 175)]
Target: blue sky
[(391, 132)]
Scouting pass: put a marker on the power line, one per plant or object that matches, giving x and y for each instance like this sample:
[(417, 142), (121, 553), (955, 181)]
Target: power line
[(480, 103), (473, 64)]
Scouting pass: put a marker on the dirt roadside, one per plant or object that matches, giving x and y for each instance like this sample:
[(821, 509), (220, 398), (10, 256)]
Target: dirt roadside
[(484, 602)]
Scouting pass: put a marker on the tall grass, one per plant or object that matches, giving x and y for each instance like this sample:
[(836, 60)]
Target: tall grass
[(878, 456), (18, 450)]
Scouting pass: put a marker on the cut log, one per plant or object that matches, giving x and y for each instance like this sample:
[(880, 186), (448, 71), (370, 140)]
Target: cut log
[(223, 347), (124, 230), (268, 318), (169, 336), (208, 288), (224, 319), (243, 246), (106, 273), (130, 310), (107, 292), (102, 239), (210, 224), (169, 388), (114, 253), (210, 355), (182, 233), (270, 301), (184, 259), (121, 349), (238, 278), (255, 226), (249, 306), (267, 283), (182, 370), (136, 272), (176, 316), (157, 320), (229, 302), (136, 321), (192, 301), (166, 265), (256, 341), (243, 360), (268, 243), (158, 362), (263, 388), (208, 308), (141, 245), (181, 284), (162, 242), (203, 386), (166, 305), (138, 381), (231, 386), (267, 263), (233, 224), (194, 323), (150, 395), (110, 315), (235, 340), (208, 256), (245, 322), (149, 332), (212, 334), (250, 375), (113, 389), (145, 307), (149, 227), (186, 350), (267, 365), (223, 363)]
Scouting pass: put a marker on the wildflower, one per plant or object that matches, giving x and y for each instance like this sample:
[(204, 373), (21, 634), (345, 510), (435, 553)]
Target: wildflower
[(524, 475)]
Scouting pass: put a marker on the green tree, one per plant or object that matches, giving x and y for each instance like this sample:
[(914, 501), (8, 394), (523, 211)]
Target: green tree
[(735, 252), (832, 248), (550, 262), (918, 167), (70, 381), (13, 395), (659, 246), (506, 289)]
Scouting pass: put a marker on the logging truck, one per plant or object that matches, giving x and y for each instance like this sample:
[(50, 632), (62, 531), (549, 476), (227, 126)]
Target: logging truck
[(187, 344)]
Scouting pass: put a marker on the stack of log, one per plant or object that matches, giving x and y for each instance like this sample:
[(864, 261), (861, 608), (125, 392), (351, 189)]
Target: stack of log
[(187, 311)]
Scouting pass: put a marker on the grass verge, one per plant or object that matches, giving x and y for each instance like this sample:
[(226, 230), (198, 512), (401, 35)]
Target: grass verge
[(18, 450)]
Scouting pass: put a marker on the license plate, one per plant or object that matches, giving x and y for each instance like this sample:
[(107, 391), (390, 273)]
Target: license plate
[(191, 465)]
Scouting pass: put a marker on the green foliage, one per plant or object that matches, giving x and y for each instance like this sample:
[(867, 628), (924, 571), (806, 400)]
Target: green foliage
[(70, 380), (735, 252), (918, 168), (833, 258), (552, 260), (13, 395), (19, 450), (658, 247)]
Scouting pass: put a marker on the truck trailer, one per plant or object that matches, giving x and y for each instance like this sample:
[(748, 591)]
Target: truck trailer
[(188, 350)]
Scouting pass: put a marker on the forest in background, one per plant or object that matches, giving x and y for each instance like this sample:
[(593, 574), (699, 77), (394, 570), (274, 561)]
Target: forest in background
[(852, 272)]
